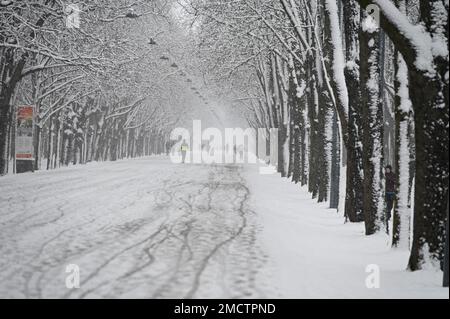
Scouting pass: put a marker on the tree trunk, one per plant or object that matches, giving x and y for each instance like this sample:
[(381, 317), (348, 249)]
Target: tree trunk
[(429, 96), (432, 169), (402, 214), (37, 147), (373, 201), (50, 143), (4, 124), (335, 163), (354, 179), (446, 259)]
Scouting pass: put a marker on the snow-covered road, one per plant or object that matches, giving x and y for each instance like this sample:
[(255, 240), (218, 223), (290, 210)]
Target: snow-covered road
[(147, 228), (140, 229)]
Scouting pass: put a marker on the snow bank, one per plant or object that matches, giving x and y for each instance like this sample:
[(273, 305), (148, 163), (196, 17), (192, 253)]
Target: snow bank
[(317, 255)]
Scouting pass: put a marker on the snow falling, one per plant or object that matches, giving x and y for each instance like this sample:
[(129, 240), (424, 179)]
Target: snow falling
[(229, 149)]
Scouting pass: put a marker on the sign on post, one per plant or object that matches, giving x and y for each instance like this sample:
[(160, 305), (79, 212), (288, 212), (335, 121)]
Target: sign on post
[(24, 133)]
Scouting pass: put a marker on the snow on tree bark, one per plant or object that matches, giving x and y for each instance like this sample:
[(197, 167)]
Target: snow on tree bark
[(402, 212), (373, 200), (354, 178)]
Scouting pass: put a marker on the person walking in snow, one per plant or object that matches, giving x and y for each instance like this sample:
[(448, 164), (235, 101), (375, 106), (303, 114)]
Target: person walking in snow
[(184, 149), (168, 147), (390, 193)]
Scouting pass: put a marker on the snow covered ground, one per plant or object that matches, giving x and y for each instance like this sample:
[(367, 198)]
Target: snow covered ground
[(148, 228), (317, 255)]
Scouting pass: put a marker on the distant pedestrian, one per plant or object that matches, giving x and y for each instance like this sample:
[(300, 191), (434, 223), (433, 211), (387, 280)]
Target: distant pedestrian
[(390, 193), (241, 152), (168, 147), (184, 149)]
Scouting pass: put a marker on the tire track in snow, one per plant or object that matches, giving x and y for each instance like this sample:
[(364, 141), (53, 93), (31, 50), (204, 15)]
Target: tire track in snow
[(193, 222)]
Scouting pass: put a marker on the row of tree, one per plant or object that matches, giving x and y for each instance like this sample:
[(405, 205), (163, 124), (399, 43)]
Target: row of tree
[(106, 79), (352, 86)]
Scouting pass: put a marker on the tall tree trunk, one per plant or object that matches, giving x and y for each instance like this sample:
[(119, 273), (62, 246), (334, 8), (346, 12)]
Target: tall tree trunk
[(58, 140), (372, 124), (37, 147), (294, 161), (313, 180), (322, 168), (446, 258), (304, 138), (326, 106), (354, 179), (50, 143), (335, 163), (298, 125), (402, 215), (9, 78), (4, 125), (429, 95)]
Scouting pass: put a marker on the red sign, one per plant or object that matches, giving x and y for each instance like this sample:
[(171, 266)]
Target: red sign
[(24, 132)]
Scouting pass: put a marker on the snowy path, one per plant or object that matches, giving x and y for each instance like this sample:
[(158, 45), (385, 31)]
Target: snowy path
[(147, 228), (143, 228)]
